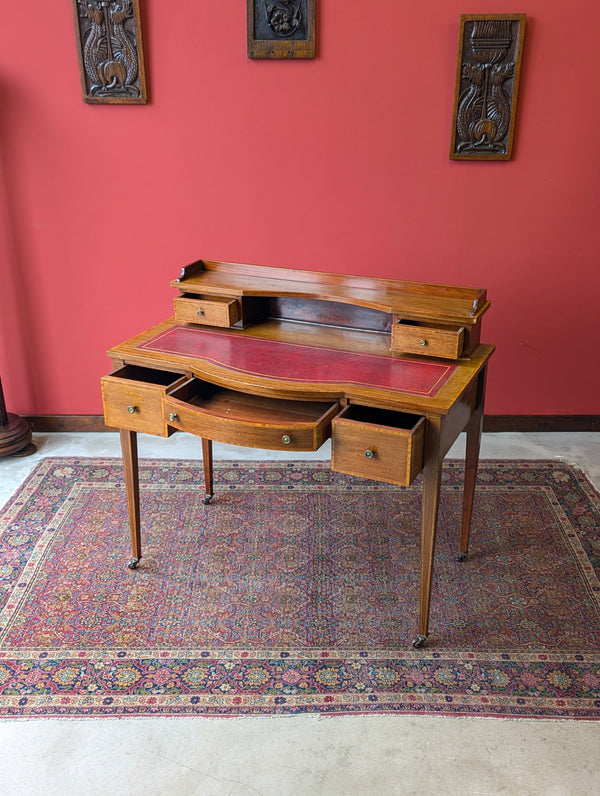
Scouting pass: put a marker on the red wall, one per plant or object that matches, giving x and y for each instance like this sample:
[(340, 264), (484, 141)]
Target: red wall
[(337, 164)]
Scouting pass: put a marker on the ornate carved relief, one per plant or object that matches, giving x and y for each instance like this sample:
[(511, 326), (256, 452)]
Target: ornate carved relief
[(487, 81), (109, 41), (281, 28)]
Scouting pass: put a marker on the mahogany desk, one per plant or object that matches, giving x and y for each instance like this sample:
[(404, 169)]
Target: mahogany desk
[(283, 359)]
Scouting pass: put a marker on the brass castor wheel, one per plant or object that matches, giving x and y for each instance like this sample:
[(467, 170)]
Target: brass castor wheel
[(419, 642), (207, 500), (133, 563), (461, 557)]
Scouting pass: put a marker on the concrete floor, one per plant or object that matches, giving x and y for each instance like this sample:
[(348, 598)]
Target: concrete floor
[(300, 754)]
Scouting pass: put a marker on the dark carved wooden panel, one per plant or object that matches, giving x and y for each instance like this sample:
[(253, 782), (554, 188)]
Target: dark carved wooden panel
[(109, 43), (281, 28), (490, 49)]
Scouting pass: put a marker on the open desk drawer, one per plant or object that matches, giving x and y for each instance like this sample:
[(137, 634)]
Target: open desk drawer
[(253, 421), (378, 443), (132, 398)]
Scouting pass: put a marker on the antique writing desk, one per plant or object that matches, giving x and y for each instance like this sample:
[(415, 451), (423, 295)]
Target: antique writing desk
[(283, 359)]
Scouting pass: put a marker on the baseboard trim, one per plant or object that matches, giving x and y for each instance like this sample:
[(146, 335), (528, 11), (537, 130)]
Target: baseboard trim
[(49, 424), (491, 423), (568, 423)]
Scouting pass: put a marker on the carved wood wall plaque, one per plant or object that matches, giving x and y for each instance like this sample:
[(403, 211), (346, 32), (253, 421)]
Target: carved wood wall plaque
[(281, 28), (490, 49), (109, 45)]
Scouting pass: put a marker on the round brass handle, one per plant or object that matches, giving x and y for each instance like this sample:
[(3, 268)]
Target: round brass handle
[(286, 439), (200, 312), (370, 454), (131, 409), (172, 416), (422, 342)]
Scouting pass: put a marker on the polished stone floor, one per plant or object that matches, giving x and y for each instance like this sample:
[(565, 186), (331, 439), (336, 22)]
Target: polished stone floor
[(298, 755)]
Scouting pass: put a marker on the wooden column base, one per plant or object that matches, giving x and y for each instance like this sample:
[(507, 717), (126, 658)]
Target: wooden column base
[(15, 437)]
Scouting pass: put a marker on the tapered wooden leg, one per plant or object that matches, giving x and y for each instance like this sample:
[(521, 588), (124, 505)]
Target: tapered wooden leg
[(207, 457), (432, 476), (473, 430), (132, 486)]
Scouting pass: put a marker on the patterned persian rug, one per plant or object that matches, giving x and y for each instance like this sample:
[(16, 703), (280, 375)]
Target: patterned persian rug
[(296, 591)]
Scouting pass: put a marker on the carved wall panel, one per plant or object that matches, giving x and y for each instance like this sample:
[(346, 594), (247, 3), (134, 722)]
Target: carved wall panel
[(490, 49), (281, 28), (111, 58)]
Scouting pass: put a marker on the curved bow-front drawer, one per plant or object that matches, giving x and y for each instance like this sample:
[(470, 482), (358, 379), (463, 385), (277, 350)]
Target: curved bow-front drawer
[(253, 421), (132, 398), (378, 443)]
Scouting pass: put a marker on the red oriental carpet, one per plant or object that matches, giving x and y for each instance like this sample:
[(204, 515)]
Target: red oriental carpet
[(296, 591)]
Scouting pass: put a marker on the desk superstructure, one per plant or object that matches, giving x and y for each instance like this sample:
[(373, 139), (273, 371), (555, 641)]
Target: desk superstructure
[(283, 359)]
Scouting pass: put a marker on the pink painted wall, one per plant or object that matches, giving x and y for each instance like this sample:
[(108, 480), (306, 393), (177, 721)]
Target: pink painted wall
[(337, 164)]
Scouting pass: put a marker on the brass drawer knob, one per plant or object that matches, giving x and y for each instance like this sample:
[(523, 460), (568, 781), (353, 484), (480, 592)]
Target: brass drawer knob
[(200, 312), (131, 409), (370, 454), (172, 416), (422, 342), (286, 439)]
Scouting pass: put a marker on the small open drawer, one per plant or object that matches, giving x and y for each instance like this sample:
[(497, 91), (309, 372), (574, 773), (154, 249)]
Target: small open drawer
[(429, 339), (132, 398), (253, 421), (378, 443), (207, 310)]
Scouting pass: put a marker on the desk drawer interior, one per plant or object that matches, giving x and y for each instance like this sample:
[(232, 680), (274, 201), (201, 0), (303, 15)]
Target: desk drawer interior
[(146, 376), (238, 418), (380, 444)]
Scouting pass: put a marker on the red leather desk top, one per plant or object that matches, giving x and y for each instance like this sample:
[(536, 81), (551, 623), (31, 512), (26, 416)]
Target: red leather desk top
[(302, 363)]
